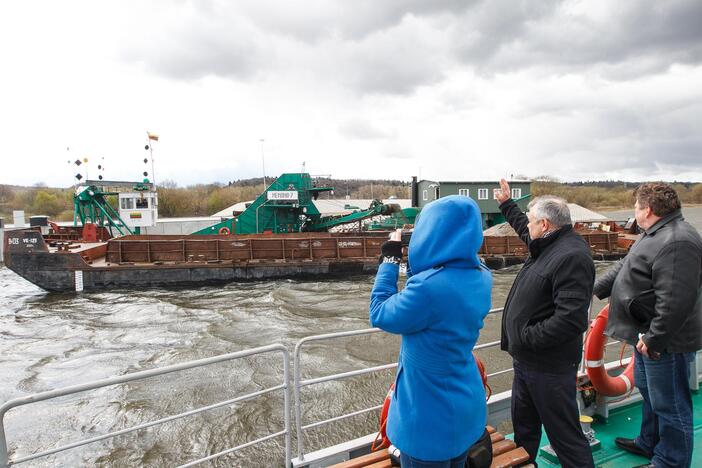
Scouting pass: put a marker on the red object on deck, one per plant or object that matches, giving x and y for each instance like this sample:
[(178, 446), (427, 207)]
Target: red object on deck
[(90, 232), (381, 439), (594, 360)]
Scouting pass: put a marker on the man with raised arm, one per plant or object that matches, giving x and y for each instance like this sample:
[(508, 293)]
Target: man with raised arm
[(544, 318), (656, 305)]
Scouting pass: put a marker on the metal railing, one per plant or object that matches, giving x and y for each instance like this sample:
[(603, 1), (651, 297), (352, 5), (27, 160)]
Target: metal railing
[(274, 348), (299, 382)]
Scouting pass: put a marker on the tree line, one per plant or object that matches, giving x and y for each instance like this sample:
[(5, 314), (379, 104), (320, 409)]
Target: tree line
[(207, 199)]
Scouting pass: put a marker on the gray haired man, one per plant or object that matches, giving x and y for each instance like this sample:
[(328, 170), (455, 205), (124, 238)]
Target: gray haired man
[(543, 322)]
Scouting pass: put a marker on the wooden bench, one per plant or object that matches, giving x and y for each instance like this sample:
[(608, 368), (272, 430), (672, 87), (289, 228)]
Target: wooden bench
[(505, 454)]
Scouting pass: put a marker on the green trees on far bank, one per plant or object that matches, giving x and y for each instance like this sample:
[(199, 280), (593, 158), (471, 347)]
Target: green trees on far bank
[(207, 199), (615, 196), (56, 203)]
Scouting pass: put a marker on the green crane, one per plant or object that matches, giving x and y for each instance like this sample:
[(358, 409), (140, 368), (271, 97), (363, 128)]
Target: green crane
[(91, 206), (287, 205)]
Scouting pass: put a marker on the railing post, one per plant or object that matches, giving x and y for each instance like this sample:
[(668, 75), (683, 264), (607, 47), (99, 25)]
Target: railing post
[(298, 412), (4, 462), (286, 396)]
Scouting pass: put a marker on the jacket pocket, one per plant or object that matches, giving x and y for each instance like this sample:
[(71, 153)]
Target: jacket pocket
[(642, 307), (400, 369)]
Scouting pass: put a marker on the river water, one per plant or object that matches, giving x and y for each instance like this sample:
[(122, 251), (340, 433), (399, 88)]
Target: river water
[(48, 341)]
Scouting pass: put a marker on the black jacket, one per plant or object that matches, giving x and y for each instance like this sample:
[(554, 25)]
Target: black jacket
[(656, 288), (546, 311)]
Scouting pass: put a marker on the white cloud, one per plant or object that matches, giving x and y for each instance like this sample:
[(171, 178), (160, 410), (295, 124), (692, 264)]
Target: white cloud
[(462, 90)]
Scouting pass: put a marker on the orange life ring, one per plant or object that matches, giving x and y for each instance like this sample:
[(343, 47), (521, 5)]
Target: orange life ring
[(224, 231), (381, 440), (594, 360)]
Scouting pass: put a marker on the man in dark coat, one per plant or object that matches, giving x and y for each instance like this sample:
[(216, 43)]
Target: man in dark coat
[(545, 315), (655, 305)]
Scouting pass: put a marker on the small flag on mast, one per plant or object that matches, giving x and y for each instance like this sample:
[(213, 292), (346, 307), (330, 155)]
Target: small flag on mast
[(152, 136)]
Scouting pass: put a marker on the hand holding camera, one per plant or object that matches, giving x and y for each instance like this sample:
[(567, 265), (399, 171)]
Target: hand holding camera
[(391, 250)]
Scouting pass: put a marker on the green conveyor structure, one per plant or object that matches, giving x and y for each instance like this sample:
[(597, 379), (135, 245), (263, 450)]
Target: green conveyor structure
[(287, 205)]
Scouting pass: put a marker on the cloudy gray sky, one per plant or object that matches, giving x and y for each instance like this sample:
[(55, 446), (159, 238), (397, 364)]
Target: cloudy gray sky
[(444, 89)]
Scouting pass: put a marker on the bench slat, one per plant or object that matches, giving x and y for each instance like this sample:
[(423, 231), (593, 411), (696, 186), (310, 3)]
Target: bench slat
[(503, 446), (381, 464), (511, 458), (365, 460)]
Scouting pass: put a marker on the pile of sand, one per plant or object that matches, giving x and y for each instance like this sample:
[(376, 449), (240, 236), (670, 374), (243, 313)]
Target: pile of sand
[(500, 230)]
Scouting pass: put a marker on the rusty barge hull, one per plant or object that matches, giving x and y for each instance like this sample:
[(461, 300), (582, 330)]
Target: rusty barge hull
[(60, 264), (150, 261)]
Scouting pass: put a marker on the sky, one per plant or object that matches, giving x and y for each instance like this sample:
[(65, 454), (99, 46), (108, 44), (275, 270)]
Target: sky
[(441, 89)]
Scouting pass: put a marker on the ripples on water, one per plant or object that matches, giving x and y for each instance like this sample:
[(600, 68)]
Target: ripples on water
[(55, 340)]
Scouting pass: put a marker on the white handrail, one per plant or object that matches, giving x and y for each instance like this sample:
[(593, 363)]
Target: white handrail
[(5, 462)]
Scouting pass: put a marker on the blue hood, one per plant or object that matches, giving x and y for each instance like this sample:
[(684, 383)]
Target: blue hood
[(449, 231)]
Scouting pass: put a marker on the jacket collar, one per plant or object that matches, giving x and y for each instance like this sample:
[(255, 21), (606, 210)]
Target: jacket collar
[(677, 214), (537, 246)]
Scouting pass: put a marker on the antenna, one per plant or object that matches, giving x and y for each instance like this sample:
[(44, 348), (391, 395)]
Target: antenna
[(263, 164)]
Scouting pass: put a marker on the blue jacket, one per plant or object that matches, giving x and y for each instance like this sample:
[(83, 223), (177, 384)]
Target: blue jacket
[(438, 407)]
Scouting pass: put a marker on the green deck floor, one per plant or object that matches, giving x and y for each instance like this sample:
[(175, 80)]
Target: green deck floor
[(625, 422)]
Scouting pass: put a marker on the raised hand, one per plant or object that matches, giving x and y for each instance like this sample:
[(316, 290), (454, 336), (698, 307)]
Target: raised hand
[(503, 193)]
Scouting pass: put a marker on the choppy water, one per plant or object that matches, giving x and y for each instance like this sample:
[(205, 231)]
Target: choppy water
[(49, 341)]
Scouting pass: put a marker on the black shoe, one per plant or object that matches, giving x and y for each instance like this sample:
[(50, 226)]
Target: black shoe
[(647, 465), (630, 446)]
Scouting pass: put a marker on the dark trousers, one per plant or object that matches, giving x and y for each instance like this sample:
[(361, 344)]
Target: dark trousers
[(666, 422), (410, 462), (546, 398)]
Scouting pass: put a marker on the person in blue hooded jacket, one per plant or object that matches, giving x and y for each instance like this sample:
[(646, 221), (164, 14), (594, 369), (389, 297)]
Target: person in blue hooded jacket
[(438, 408)]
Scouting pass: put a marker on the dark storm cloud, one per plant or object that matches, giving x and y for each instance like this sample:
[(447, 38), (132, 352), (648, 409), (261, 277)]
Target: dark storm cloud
[(683, 152), (480, 32), (381, 47), (644, 37), (396, 46)]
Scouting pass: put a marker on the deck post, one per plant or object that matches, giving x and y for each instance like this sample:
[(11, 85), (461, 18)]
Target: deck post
[(4, 462)]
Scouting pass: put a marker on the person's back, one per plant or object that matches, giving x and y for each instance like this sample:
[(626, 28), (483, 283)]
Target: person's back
[(438, 407)]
